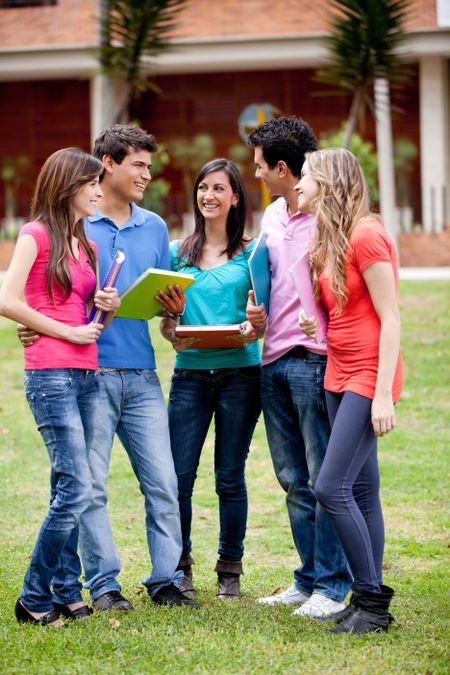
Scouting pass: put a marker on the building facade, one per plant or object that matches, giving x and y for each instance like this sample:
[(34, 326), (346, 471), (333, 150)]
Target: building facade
[(226, 56)]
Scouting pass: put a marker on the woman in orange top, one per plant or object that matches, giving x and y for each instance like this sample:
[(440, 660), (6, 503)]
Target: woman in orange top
[(354, 272)]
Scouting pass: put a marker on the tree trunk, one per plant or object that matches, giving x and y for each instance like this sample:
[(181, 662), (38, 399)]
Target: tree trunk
[(352, 120), (122, 113), (385, 153)]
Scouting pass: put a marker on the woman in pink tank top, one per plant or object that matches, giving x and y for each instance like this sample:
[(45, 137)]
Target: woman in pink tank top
[(54, 267)]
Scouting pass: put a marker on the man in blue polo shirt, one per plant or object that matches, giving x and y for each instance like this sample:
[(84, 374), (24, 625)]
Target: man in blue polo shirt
[(131, 402)]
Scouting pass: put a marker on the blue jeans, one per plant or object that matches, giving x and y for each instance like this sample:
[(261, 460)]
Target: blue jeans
[(348, 486), (232, 396), (131, 404), (63, 402), (297, 428)]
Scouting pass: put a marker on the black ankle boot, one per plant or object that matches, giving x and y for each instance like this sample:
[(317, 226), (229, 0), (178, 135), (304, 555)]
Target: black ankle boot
[(228, 577), (186, 585), (371, 613), (343, 614)]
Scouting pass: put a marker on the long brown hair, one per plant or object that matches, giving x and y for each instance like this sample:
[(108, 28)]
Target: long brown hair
[(62, 176), (192, 247), (342, 200)]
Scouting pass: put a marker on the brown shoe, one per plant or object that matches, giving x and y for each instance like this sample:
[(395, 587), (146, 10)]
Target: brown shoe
[(186, 586), (228, 576)]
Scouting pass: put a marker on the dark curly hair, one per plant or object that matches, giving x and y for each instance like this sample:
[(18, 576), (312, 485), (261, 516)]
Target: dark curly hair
[(286, 139)]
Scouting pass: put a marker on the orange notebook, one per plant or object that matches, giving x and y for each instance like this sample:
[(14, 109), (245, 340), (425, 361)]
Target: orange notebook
[(217, 336)]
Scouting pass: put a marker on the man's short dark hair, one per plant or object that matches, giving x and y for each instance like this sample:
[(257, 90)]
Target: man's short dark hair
[(117, 140), (286, 139)]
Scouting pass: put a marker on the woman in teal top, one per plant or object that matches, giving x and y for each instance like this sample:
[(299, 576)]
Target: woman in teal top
[(219, 383)]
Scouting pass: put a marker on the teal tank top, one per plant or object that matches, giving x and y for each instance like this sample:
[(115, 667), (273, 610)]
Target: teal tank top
[(218, 295)]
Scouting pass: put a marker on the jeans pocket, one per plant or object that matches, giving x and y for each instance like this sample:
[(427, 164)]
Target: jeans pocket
[(47, 383), (149, 376), (181, 374), (56, 387), (250, 372)]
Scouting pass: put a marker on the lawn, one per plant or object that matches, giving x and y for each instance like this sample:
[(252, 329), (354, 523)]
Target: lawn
[(242, 636)]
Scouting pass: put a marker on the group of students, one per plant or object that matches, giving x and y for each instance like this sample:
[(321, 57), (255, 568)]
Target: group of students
[(322, 415)]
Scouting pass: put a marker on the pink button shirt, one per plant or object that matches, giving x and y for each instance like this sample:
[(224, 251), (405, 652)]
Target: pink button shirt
[(287, 239), (49, 352)]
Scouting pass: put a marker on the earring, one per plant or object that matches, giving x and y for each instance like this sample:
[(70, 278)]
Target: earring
[(235, 205)]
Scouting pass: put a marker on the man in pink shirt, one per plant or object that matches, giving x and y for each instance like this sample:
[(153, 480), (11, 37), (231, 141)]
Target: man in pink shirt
[(293, 400)]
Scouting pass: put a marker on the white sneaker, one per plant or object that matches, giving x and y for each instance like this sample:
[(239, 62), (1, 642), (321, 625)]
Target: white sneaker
[(319, 606), (291, 596)]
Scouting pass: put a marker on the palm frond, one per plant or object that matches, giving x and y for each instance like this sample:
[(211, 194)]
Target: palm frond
[(133, 28), (364, 37)]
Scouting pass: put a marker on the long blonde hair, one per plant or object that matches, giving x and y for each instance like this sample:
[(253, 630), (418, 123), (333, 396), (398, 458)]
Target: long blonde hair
[(342, 200)]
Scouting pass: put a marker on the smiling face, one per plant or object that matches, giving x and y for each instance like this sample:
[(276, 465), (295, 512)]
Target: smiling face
[(268, 176), (129, 179), (307, 190), (85, 201), (215, 196)]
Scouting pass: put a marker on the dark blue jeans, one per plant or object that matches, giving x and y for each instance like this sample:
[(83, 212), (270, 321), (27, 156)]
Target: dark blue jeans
[(298, 429), (348, 486), (63, 402), (232, 397)]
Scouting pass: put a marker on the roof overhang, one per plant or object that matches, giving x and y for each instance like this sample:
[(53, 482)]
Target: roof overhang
[(203, 56)]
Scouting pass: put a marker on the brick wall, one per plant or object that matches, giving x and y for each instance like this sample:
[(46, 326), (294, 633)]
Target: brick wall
[(75, 21), (425, 249), (70, 22), (274, 17)]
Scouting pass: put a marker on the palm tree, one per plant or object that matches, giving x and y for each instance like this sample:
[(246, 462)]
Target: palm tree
[(362, 45), (132, 29)]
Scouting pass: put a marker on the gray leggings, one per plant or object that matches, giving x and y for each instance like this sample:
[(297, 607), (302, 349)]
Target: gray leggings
[(348, 486)]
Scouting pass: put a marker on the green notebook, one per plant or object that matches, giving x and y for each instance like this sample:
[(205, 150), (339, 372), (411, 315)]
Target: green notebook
[(138, 299)]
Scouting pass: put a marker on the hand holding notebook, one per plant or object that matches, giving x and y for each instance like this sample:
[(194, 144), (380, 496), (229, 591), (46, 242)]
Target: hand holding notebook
[(139, 299), (97, 315)]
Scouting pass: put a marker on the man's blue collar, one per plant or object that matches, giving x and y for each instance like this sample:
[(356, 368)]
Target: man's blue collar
[(136, 219)]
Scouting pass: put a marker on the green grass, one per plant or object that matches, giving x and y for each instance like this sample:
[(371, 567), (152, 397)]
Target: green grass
[(244, 637)]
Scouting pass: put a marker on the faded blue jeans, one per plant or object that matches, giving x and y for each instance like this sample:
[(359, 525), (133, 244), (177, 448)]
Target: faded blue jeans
[(298, 429), (131, 404), (63, 402), (232, 397)]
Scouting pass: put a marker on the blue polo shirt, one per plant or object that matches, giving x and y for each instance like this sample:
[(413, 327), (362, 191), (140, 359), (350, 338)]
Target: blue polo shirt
[(126, 343)]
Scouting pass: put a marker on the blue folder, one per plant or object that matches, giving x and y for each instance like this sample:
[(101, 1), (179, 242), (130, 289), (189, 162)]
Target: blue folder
[(259, 267)]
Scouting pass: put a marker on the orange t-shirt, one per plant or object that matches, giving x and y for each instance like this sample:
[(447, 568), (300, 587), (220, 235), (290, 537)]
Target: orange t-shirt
[(353, 336)]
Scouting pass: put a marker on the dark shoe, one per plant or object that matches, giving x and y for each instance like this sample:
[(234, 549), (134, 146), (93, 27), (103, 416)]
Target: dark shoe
[(229, 587), (112, 600), (172, 596), (228, 577), (371, 614), (186, 586), (76, 614), (24, 616), (339, 617)]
